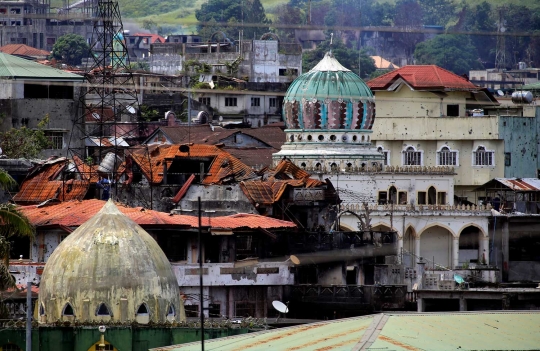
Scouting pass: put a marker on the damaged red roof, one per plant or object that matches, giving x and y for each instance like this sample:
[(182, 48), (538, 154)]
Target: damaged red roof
[(269, 191), (75, 213), (44, 182), (423, 77), (224, 167)]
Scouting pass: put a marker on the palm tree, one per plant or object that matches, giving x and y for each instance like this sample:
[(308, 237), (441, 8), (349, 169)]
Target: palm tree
[(12, 223)]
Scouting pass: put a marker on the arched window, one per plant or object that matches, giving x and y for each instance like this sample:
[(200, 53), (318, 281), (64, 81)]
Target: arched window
[(41, 309), (68, 310), (303, 165), (447, 157), (483, 157), (103, 310), (392, 194), (171, 312), (412, 157), (432, 196), (334, 167), (142, 310)]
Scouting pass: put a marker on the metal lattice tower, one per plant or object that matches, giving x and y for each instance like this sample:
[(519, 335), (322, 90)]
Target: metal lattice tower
[(500, 55), (109, 119)]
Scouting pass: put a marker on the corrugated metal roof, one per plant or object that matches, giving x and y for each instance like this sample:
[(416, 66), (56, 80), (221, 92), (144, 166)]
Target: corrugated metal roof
[(13, 67), (521, 184), (514, 330), (75, 213), (21, 49)]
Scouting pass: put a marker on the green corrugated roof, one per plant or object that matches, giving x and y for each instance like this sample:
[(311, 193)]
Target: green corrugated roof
[(13, 67), (532, 86), (514, 330)]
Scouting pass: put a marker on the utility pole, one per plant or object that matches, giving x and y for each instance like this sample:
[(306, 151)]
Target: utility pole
[(29, 314), (201, 261)]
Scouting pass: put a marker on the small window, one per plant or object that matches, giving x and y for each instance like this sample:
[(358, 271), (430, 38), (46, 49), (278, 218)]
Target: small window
[(41, 310), (441, 198), (192, 310), (51, 41), (402, 198), (230, 101), (452, 110), (483, 157), (56, 139), (143, 309), (68, 310), (507, 159), (255, 102), (383, 197), (205, 101), (422, 198), (171, 312), (272, 102), (103, 310), (214, 310), (244, 309)]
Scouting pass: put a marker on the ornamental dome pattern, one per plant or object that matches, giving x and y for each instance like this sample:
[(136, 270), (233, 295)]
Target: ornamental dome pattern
[(109, 270), (329, 97)]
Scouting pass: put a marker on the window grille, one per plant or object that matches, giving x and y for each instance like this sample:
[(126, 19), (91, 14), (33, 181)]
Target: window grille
[(483, 157), (56, 140), (447, 157), (411, 157)]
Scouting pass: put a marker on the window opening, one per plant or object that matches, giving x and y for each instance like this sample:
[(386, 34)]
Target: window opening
[(272, 102), (432, 196), (483, 157), (68, 310), (383, 197), (171, 312), (41, 310), (393, 195), (447, 157), (441, 198), (402, 198), (507, 159), (229, 101), (452, 110), (422, 198), (143, 309), (411, 157), (255, 101), (205, 101), (103, 310)]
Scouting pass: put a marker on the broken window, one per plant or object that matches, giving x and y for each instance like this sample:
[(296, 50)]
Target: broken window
[(422, 198), (452, 110), (441, 198), (383, 197), (483, 157), (244, 309), (205, 101), (174, 246), (412, 157), (245, 246), (446, 157)]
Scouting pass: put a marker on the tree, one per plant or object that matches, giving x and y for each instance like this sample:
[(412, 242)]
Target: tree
[(233, 15), (286, 15), (24, 142), (349, 58), (452, 52), (437, 12), (409, 18), (70, 48), (12, 223)]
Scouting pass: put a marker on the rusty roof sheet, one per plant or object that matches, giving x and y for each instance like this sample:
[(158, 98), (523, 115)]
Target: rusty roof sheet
[(75, 213), (224, 167), (508, 330), (269, 191), (521, 184), (44, 182), (22, 49)]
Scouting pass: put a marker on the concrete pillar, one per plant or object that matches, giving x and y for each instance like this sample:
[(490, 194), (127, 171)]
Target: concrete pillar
[(462, 304), (420, 267), (505, 250), (484, 250), (417, 247), (455, 252), (420, 305), (400, 249)]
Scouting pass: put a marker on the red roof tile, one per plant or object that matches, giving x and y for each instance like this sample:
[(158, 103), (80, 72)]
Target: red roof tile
[(153, 37), (24, 50), (423, 77), (75, 213)]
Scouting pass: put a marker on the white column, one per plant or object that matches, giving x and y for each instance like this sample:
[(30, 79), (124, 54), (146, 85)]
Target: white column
[(455, 252), (400, 249), (417, 247), (484, 249)]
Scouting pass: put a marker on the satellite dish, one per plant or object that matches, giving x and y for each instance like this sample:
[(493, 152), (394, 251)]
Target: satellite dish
[(96, 115), (294, 260), (500, 93), (280, 306), (131, 109)]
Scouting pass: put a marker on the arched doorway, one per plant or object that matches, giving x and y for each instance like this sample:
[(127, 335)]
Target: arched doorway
[(408, 248), (432, 195), (469, 246), (436, 245)]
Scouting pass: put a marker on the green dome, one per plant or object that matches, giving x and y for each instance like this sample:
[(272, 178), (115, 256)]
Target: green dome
[(331, 97)]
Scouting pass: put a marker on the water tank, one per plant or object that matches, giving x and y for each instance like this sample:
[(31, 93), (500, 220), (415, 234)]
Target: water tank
[(108, 163), (522, 97), (522, 65)]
